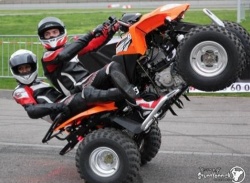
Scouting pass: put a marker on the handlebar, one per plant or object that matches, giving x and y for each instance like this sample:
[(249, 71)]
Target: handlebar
[(113, 20), (123, 23)]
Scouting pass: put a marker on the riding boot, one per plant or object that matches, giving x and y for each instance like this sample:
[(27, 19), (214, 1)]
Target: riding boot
[(123, 84), (93, 95), (121, 81)]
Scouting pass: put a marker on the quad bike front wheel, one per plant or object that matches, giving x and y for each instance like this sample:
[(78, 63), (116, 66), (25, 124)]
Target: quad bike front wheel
[(150, 144), (210, 58), (108, 156)]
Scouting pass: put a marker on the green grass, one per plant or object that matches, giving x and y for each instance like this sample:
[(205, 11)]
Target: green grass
[(243, 94), (81, 21), (78, 22), (8, 83)]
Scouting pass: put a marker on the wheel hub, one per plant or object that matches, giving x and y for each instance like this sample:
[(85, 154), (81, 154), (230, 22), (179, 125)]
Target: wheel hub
[(208, 59), (104, 161)]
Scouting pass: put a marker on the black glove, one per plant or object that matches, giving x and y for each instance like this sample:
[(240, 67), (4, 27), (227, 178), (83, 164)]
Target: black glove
[(61, 112), (62, 108), (112, 25), (101, 29), (114, 28)]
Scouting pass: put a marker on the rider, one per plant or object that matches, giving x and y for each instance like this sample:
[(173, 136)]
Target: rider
[(39, 99), (63, 68)]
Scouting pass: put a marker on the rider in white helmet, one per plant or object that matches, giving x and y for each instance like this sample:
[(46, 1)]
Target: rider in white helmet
[(23, 66), (41, 100)]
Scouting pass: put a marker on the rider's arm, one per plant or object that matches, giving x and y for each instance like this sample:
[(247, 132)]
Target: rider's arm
[(51, 59), (72, 49), (88, 42), (24, 96), (98, 42), (95, 44)]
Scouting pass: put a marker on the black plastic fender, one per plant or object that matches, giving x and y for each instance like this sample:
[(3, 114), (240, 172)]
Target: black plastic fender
[(129, 124)]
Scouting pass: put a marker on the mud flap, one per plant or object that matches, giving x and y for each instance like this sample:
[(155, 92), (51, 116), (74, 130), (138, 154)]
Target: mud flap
[(129, 124)]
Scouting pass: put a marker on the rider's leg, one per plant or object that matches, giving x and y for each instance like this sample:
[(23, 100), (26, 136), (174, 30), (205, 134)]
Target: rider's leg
[(101, 79), (111, 76), (93, 95), (89, 96), (121, 81)]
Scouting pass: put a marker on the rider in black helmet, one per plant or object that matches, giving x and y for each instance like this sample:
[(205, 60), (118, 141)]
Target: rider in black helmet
[(63, 68)]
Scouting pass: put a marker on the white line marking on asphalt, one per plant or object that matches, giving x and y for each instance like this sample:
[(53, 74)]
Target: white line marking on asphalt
[(160, 152), (205, 153), (30, 145)]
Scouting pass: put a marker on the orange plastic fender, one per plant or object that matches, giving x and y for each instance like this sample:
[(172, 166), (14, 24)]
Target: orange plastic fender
[(134, 41), (94, 110)]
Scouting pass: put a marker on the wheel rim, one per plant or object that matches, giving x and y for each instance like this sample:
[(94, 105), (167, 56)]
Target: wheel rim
[(104, 161), (208, 59)]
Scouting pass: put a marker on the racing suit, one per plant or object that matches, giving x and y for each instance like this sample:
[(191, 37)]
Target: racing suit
[(40, 100), (64, 70)]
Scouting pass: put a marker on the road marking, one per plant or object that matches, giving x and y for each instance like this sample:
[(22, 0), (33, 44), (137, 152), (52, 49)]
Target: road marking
[(205, 153), (30, 145), (160, 152)]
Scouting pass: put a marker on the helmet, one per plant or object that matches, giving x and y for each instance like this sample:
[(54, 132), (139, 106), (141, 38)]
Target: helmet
[(50, 23), (21, 57)]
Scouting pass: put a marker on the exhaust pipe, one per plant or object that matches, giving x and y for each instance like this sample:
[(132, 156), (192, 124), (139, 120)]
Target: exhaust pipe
[(150, 119)]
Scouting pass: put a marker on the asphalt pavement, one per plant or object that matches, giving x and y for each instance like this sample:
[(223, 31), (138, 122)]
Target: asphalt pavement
[(208, 139)]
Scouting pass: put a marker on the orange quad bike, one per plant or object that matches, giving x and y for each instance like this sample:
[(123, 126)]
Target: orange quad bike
[(113, 141), (162, 56)]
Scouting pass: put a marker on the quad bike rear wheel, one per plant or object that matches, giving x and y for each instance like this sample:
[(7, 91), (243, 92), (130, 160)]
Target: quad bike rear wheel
[(210, 58), (242, 34), (150, 144), (108, 156)]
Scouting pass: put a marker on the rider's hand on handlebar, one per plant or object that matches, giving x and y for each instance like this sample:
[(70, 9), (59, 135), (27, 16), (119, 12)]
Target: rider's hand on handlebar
[(115, 27), (101, 29), (107, 28)]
